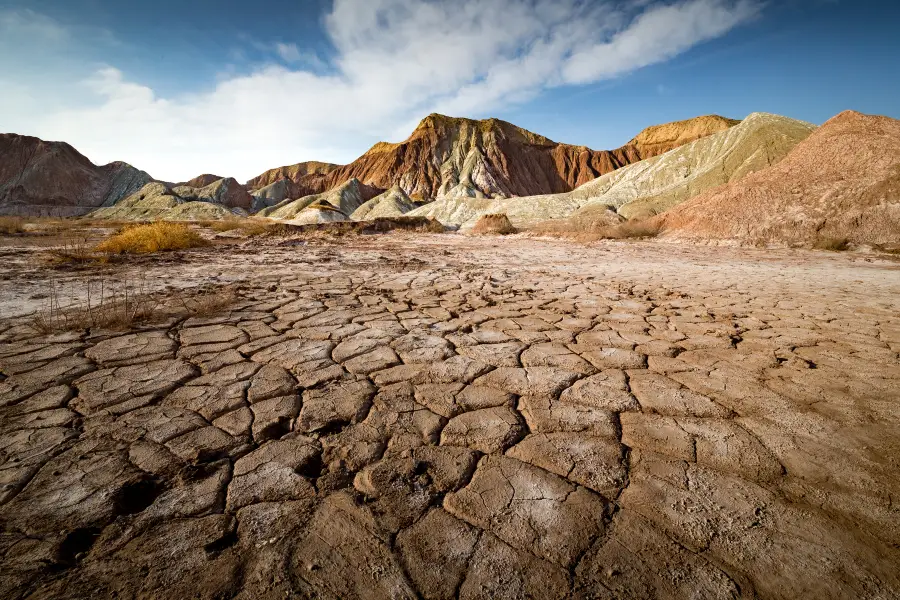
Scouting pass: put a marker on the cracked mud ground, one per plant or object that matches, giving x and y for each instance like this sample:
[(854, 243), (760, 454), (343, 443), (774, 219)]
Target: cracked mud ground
[(449, 417)]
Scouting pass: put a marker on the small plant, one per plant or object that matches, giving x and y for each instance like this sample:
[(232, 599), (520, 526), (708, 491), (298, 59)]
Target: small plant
[(75, 248), (12, 225), (105, 306), (153, 237), (832, 244), (108, 304)]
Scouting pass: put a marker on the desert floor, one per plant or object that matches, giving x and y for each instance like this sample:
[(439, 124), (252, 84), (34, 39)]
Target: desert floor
[(445, 416)]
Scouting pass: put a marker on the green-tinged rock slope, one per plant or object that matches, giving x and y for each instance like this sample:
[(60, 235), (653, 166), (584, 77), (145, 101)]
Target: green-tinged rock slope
[(651, 186)]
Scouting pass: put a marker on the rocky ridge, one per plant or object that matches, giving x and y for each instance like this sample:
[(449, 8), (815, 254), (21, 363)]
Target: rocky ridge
[(650, 186), (466, 158), (157, 201), (53, 179), (392, 203), (344, 200)]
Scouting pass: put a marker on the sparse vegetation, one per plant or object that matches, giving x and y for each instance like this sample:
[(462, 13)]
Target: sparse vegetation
[(223, 225), (12, 225), (832, 244), (635, 229), (107, 304), (153, 237), (598, 225)]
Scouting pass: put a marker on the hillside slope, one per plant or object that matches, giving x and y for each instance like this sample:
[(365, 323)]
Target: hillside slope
[(842, 182), (42, 178), (158, 200)]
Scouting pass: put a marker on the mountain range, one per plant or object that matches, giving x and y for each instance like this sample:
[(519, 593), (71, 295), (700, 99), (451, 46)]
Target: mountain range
[(765, 179), (444, 156)]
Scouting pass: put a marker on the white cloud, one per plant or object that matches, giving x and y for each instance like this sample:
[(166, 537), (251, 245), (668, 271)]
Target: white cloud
[(394, 61), (26, 23)]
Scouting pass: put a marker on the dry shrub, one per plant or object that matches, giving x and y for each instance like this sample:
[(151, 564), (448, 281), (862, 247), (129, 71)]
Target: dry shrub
[(12, 225), (223, 225), (634, 229), (255, 227), (250, 227), (493, 224), (108, 305), (75, 248), (153, 237), (831, 244)]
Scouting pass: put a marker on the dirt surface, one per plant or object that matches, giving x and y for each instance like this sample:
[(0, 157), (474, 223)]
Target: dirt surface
[(441, 416)]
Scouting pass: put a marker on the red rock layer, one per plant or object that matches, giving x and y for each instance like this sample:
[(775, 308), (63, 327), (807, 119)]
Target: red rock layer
[(509, 160), (54, 179), (840, 183), (295, 173), (201, 180)]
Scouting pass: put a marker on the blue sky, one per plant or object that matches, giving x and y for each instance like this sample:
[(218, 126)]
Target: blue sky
[(232, 87)]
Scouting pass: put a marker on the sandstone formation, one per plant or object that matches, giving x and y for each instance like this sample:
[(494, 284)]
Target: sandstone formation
[(497, 224), (842, 182), (345, 198), (295, 173), (226, 192), (53, 179), (157, 201), (392, 203), (317, 212), (275, 193), (200, 181), (659, 139), (453, 157), (650, 186)]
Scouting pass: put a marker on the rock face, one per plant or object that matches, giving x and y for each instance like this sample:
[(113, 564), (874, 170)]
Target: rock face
[(53, 179), (465, 158), (201, 181), (650, 186), (275, 193), (299, 173), (156, 200), (345, 198), (842, 182), (226, 192), (392, 203), (659, 139), (493, 224)]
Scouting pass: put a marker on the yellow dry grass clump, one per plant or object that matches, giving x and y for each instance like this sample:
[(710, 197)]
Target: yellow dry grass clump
[(153, 237), (11, 225)]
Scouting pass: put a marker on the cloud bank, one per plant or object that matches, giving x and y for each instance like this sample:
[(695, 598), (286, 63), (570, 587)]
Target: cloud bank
[(394, 61)]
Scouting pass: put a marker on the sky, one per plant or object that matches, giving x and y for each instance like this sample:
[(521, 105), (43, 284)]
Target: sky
[(231, 87)]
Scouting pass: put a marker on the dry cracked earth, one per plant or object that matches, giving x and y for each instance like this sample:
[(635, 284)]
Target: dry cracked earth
[(485, 418)]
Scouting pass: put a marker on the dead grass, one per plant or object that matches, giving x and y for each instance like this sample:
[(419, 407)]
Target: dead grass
[(223, 225), (75, 247), (250, 227), (594, 227), (12, 225), (635, 229), (154, 237), (831, 244), (494, 224), (122, 306)]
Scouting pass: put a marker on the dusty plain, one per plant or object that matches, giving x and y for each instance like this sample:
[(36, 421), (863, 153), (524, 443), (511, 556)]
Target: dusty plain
[(449, 416)]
